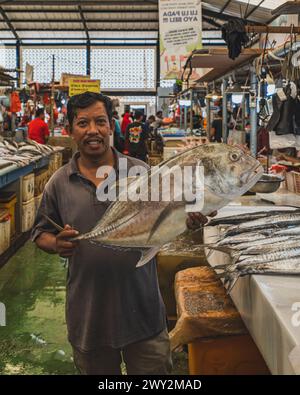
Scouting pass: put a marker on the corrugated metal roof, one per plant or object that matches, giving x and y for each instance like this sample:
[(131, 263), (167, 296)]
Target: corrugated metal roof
[(117, 15)]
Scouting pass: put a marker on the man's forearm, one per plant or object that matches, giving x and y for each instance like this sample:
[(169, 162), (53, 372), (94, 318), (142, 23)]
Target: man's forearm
[(47, 242)]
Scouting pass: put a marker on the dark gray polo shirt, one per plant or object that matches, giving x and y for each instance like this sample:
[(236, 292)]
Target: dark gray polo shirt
[(109, 302)]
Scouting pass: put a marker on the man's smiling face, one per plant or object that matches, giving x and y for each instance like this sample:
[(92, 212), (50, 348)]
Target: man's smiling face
[(91, 130)]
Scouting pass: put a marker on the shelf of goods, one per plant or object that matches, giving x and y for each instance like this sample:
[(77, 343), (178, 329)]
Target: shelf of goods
[(21, 191)]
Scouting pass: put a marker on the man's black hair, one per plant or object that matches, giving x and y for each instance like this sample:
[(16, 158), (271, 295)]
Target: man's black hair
[(39, 112), (85, 100), (138, 115)]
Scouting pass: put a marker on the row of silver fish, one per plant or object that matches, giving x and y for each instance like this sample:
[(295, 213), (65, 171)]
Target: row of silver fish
[(23, 153), (265, 245)]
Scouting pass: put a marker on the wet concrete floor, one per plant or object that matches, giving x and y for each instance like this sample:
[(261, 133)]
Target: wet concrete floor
[(34, 340)]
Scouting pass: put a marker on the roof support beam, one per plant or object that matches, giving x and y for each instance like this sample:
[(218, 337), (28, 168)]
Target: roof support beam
[(225, 17), (85, 2), (88, 58), (211, 22), (9, 24), (254, 9), (86, 11), (63, 29), (225, 6), (18, 62), (83, 21)]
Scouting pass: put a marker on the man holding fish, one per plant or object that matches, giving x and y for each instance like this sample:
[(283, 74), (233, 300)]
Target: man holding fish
[(114, 310)]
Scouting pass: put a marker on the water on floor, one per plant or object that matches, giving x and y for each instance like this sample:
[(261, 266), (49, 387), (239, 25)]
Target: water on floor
[(34, 340)]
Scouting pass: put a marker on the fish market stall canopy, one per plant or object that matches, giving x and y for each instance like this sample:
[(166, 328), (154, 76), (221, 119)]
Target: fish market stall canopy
[(217, 60)]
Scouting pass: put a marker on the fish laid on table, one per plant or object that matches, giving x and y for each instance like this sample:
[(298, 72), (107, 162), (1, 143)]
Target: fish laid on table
[(240, 218), (271, 222), (240, 238), (147, 225), (260, 243), (21, 154), (245, 256), (288, 266), (290, 231)]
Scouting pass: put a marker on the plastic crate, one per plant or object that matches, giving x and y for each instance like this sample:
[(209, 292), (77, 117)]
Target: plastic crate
[(41, 178), (4, 231), (296, 176), (28, 187), (37, 202), (28, 215), (8, 202)]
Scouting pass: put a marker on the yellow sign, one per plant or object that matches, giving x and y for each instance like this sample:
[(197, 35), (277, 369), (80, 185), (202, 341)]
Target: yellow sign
[(80, 85)]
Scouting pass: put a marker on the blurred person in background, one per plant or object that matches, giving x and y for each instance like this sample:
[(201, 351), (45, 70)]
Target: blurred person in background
[(137, 134), (38, 129), (119, 138), (125, 122)]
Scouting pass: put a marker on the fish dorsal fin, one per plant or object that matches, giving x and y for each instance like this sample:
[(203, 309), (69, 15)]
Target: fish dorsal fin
[(147, 255)]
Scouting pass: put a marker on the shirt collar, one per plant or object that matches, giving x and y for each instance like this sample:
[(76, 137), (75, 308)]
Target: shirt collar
[(73, 166)]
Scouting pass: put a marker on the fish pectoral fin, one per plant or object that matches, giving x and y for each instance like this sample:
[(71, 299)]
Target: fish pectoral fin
[(147, 255)]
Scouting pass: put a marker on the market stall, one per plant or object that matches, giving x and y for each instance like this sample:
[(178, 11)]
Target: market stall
[(25, 169), (268, 304)]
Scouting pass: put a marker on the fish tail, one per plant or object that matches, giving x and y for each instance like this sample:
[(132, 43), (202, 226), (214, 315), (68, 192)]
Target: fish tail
[(232, 279), (219, 276)]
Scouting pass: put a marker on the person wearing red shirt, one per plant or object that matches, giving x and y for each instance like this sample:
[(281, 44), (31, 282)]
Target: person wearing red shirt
[(38, 129)]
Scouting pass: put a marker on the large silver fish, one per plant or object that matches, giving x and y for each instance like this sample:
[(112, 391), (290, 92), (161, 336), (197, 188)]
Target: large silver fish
[(148, 225)]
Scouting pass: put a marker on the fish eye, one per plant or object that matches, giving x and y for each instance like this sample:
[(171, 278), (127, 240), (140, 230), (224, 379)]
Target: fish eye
[(234, 157)]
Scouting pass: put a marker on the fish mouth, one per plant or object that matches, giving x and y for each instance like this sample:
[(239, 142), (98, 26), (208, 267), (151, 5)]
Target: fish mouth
[(252, 174)]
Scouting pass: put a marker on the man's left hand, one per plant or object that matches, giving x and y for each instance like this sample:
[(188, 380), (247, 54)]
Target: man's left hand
[(197, 220)]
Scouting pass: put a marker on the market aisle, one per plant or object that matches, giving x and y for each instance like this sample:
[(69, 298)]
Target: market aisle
[(34, 341)]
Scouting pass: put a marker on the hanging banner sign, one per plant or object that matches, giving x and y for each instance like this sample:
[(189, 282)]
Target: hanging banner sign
[(180, 27), (80, 85)]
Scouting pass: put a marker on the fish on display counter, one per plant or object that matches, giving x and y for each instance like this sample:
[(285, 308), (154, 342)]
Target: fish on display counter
[(270, 250), (23, 153)]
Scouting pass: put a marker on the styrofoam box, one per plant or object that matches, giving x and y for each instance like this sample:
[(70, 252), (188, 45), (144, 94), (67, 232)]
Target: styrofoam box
[(4, 235), (28, 215), (28, 187), (37, 201)]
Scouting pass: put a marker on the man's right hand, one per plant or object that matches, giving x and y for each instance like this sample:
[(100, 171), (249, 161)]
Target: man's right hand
[(64, 247)]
